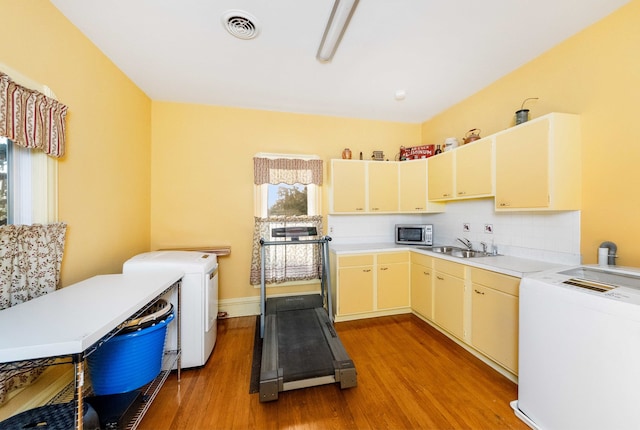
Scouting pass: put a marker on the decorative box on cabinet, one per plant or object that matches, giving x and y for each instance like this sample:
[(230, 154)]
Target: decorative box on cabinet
[(538, 165)]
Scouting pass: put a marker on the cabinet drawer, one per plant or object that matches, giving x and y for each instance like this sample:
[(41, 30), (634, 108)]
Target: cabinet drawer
[(393, 257), (505, 283), (421, 259), (449, 267), (355, 260)]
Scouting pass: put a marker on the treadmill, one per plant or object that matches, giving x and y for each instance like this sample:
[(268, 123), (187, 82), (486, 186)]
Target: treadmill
[(300, 346)]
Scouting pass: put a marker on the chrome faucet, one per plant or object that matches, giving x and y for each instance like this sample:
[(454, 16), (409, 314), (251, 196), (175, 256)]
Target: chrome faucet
[(484, 246), (466, 243)]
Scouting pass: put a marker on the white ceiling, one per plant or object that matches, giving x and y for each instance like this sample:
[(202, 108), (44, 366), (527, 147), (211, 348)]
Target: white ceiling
[(438, 51)]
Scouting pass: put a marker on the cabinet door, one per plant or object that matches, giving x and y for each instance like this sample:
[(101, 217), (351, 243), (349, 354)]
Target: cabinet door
[(448, 303), (413, 186), (494, 325), (421, 290), (474, 169), (355, 291), (383, 186), (441, 176), (348, 185), (393, 285), (522, 166)]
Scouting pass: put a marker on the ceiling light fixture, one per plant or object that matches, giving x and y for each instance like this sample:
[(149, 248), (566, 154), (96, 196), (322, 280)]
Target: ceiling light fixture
[(338, 21)]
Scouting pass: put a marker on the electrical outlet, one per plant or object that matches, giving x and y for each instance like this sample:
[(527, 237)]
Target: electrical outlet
[(466, 227), (331, 229), (488, 228)]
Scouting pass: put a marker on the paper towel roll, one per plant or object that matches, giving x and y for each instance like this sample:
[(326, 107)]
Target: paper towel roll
[(603, 256)]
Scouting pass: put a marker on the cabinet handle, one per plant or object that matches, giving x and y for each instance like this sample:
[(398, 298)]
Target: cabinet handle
[(419, 209), (479, 292), (440, 278), (462, 193), (366, 270), (375, 209), (427, 273), (446, 195), (384, 268), (359, 209), (503, 204)]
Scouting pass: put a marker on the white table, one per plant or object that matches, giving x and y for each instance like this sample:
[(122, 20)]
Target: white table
[(72, 321)]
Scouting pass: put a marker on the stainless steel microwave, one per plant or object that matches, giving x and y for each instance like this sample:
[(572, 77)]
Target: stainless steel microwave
[(414, 234)]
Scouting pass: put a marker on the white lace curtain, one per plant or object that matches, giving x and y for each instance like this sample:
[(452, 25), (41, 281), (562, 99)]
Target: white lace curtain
[(30, 260), (285, 263), (31, 119)]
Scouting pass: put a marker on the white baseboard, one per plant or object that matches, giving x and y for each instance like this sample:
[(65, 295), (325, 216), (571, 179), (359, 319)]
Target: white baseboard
[(241, 307)]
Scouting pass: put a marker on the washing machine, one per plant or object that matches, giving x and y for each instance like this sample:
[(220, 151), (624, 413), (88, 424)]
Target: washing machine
[(199, 299)]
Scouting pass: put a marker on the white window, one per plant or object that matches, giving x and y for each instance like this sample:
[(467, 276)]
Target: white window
[(287, 194), (29, 189)]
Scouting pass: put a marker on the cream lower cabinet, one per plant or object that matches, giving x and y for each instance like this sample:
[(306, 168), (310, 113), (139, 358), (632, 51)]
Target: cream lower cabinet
[(355, 284), (494, 316), (448, 296), (421, 285), (393, 281), (369, 285)]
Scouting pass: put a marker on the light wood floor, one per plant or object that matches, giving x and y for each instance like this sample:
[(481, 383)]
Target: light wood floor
[(410, 376)]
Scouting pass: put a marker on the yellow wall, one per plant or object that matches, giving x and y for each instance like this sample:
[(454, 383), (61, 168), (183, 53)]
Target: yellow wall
[(104, 179), (202, 171), (596, 74)]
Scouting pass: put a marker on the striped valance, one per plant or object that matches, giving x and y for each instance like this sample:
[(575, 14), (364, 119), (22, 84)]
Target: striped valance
[(30, 118), (287, 171)]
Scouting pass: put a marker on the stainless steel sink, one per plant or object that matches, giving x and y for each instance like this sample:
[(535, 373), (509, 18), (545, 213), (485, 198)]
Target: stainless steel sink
[(466, 253), (446, 249), (456, 251)]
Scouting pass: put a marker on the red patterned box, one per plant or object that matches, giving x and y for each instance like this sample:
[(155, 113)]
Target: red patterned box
[(416, 152)]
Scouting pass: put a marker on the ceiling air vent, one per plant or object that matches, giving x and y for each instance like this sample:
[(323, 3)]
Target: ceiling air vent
[(240, 24)]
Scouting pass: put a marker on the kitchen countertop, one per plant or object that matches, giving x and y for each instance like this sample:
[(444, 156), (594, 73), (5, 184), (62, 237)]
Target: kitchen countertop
[(513, 266)]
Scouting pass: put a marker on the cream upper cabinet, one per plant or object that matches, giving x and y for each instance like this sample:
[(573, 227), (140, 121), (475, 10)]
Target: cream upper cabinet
[(538, 165), (421, 285), (413, 188), (494, 316), (383, 186), (440, 176), (474, 169), (349, 186)]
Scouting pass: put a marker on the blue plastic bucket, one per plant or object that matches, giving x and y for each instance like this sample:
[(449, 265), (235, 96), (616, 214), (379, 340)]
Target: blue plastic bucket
[(128, 361)]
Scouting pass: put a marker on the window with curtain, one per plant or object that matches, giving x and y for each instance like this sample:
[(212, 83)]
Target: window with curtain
[(32, 127), (286, 195)]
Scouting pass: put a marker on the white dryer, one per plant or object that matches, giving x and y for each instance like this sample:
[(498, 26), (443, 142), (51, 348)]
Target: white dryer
[(199, 299)]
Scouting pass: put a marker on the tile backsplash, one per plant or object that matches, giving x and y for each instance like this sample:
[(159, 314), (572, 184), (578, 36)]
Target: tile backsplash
[(547, 236)]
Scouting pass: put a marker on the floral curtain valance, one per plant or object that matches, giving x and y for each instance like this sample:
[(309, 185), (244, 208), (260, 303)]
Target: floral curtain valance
[(31, 119), (287, 170)]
